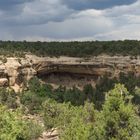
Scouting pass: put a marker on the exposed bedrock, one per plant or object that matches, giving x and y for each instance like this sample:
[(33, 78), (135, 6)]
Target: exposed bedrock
[(97, 66), (15, 72)]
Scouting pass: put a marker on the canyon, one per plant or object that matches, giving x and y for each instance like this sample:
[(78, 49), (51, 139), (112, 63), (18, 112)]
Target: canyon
[(67, 71)]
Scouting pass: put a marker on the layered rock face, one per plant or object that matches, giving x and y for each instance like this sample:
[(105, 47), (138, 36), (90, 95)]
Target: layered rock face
[(16, 71)]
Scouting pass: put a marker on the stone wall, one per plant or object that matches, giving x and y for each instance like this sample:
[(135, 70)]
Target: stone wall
[(16, 71)]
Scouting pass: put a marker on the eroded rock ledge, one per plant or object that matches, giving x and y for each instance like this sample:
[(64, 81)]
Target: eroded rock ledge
[(16, 71)]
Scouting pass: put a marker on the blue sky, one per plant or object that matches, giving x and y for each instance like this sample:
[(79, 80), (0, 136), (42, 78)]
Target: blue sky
[(48, 20)]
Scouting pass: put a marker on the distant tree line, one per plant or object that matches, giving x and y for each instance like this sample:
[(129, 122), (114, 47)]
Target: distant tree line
[(74, 49)]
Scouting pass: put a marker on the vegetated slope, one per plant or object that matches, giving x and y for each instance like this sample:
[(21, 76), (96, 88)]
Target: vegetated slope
[(75, 49), (93, 113), (117, 119)]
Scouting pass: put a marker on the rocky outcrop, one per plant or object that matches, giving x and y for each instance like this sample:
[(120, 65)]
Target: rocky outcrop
[(16, 71), (3, 82), (50, 135), (98, 66)]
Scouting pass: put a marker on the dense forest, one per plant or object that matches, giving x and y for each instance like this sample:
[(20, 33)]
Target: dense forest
[(75, 49), (110, 111)]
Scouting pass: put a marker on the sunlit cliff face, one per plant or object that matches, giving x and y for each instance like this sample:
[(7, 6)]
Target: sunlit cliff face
[(81, 71), (67, 71)]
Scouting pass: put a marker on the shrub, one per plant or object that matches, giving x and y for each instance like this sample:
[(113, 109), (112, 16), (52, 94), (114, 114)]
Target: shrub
[(118, 119), (14, 127), (8, 98)]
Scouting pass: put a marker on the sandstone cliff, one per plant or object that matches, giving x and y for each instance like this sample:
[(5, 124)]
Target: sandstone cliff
[(16, 71)]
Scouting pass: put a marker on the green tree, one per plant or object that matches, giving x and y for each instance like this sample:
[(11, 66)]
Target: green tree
[(8, 98), (34, 84), (75, 96), (14, 127), (117, 120), (80, 123), (105, 84), (89, 93), (136, 100)]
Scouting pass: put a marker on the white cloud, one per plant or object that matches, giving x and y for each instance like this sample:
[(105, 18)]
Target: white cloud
[(37, 12), (124, 10), (52, 20), (84, 24), (126, 32), (42, 11)]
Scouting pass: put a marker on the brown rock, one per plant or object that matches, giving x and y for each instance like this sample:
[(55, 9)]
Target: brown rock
[(17, 71), (50, 135), (3, 82)]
